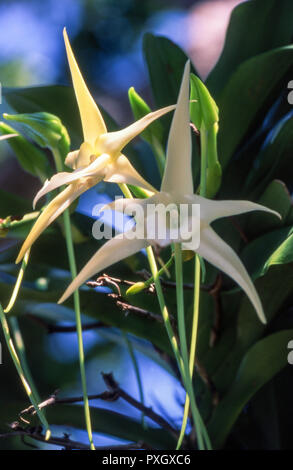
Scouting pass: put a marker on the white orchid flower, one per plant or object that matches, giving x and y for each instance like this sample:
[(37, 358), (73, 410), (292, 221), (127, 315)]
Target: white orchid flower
[(177, 188), (99, 157)]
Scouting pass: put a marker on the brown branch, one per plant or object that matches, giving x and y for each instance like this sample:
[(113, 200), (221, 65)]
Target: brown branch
[(113, 394), (65, 442), (116, 390)]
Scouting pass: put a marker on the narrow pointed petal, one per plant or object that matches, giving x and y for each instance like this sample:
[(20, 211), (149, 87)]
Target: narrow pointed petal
[(218, 253), (50, 213), (95, 169), (178, 174), (114, 142), (92, 121), (121, 171), (8, 136), (212, 210), (113, 251)]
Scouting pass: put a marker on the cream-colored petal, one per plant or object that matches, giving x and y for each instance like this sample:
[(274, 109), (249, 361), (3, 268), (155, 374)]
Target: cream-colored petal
[(47, 217), (211, 210), (178, 173), (121, 171), (122, 204), (92, 121), (8, 136), (218, 253), (80, 158), (95, 169), (113, 251), (114, 142)]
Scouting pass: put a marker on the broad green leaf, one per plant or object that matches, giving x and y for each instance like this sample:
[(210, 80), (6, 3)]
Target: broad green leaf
[(274, 160), (248, 93), (55, 99), (255, 27), (43, 128), (276, 196), (257, 254), (29, 157), (259, 365), (274, 288), (165, 61)]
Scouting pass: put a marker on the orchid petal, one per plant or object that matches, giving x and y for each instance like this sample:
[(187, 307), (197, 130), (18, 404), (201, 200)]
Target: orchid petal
[(121, 171), (92, 121), (8, 136), (95, 169), (81, 157), (113, 251), (122, 204), (178, 174), (218, 253), (51, 212), (114, 142), (212, 210)]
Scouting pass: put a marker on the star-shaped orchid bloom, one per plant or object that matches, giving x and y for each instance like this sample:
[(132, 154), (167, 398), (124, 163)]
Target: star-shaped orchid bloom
[(99, 157), (177, 188)]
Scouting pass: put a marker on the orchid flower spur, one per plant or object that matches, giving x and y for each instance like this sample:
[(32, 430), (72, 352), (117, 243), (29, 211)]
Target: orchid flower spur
[(99, 157), (177, 188)]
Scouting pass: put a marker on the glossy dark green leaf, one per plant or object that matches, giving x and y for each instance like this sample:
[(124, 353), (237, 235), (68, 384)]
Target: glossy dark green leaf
[(261, 363), (29, 157), (274, 160), (255, 27), (251, 89), (276, 197), (165, 61)]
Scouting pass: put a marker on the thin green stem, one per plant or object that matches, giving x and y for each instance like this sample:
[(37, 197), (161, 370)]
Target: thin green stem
[(137, 375), (21, 372), (192, 345), (18, 282), (200, 427), (73, 270), (20, 348)]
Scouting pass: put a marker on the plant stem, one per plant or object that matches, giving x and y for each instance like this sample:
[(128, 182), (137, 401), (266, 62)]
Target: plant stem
[(73, 270), (192, 345), (184, 371), (21, 373), (19, 348), (137, 375), (18, 282)]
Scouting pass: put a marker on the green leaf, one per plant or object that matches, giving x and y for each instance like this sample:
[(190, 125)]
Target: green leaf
[(140, 108), (259, 365), (165, 61), (274, 160), (29, 157), (252, 88), (255, 27), (57, 100), (43, 128), (276, 197), (257, 254)]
